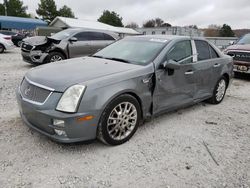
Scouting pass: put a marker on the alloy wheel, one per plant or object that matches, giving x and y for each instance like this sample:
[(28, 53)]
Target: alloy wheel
[(122, 121), (55, 58), (221, 89)]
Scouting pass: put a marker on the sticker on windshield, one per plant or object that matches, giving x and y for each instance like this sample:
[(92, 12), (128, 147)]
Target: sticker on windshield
[(158, 40)]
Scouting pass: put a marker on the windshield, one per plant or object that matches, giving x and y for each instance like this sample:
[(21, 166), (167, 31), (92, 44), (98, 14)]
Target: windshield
[(244, 40), (138, 52), (63, 34)]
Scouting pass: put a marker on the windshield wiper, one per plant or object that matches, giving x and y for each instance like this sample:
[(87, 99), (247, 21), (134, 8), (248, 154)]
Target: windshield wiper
[(117, 59), (112, 58), (97, 56)]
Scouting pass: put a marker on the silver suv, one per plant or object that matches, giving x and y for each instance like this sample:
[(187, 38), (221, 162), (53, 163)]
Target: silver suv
[(66, 44)]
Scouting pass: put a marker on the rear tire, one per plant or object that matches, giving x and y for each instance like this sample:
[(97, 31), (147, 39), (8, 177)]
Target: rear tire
[(2, 48), (119, 120), (219, 91), (54, 57)]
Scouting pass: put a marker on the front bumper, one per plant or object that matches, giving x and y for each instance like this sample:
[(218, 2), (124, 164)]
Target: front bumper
[(40, 118), (34, 57), (242, 67)]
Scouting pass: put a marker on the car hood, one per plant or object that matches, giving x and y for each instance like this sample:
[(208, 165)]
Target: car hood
[(245, 47), (39, 40), (63, 74)]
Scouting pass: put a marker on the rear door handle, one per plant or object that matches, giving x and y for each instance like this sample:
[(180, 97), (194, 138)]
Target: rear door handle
[(216, 65), (189, 72)]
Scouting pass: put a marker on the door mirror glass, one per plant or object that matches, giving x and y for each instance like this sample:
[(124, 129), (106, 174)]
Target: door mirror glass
[(73, 39), (231, 43), (171, 64)]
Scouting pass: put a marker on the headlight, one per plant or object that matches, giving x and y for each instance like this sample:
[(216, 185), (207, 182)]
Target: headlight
[(70, 99)]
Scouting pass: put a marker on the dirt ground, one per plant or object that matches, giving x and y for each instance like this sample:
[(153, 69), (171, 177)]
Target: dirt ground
[(168, 151)]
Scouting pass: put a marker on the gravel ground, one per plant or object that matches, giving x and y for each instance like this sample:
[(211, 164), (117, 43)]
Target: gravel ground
[(165, 152)]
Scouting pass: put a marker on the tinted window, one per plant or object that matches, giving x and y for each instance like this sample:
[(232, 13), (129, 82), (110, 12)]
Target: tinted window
[(202, 50), (180, 51), (214, 54), (83, 36), (96, 36), (107, 37)]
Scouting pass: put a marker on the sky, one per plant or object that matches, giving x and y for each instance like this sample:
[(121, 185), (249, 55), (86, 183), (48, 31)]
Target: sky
[(202, 13)]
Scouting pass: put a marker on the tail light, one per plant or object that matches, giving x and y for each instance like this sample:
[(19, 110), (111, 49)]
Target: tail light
[(7, 38)]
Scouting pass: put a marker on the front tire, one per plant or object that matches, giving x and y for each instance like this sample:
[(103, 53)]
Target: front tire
[(54, 57), (219, 91), (2, 48), (119, 120)]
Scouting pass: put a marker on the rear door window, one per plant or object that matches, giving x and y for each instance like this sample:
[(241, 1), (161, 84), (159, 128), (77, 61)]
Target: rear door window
[(202, 50), (107, 37), (83, 36), (213, 53)]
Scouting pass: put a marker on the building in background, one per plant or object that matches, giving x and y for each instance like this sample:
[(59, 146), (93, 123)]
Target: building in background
[(182, 31), (64, 23), (21, 25)]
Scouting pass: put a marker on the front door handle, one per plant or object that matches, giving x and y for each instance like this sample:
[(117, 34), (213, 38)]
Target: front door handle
[(189, 72), (216, 65)]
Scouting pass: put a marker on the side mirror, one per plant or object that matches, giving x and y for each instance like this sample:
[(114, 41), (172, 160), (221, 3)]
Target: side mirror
[(171, 64), (73, 39), (231, 43)]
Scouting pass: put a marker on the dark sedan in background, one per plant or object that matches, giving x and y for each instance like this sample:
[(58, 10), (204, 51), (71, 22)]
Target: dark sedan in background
[(15, 37), (108, 94), (65, 44), (240, 51)]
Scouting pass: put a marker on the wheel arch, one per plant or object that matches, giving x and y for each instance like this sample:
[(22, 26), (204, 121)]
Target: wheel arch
[(60, 51), (131, 93), (227, 78)]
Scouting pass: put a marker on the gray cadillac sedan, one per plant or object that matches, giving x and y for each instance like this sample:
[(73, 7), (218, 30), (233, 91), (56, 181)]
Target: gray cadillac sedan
[(107, 95)]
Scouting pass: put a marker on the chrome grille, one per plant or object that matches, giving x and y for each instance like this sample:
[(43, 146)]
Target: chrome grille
[(240, 56), (33, 93)]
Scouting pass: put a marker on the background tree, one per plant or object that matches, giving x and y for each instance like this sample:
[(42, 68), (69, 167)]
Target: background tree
[(149, 23), (193, 26), (65, 11), (14, 8), (111, 18), (226, 31), (212, 31), (47, 10), (2, 9), (166, 25), (132, 25), (157, 22)]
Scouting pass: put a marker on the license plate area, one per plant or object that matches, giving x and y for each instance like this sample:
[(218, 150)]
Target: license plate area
[(241, 68)]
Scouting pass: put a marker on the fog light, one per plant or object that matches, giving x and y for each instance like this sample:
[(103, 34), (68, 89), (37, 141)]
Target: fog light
[(58, 123), (60, 132)]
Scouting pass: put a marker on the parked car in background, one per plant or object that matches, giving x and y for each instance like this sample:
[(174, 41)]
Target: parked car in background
[(240, 51), (65, 44), (108, 94), (15, 37), (5, 43)]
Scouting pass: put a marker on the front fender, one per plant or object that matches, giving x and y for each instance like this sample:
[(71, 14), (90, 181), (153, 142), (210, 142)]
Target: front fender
[(97, 99)]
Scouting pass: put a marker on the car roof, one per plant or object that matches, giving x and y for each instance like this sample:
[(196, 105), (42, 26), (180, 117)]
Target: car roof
[(164, 37), (113, 34)]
